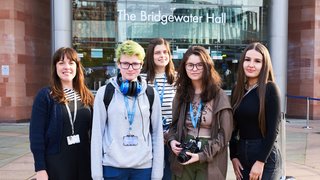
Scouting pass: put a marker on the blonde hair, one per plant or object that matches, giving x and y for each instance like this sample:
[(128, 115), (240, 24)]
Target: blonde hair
[(130, 48)]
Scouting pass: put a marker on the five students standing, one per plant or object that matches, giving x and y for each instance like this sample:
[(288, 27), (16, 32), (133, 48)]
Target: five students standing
[(189, 117)]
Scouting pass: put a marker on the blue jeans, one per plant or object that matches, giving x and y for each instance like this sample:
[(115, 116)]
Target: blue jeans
[(248, 151), (126, 173)]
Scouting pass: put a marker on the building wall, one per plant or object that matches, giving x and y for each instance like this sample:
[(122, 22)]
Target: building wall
[(25, 47), (303, 58)]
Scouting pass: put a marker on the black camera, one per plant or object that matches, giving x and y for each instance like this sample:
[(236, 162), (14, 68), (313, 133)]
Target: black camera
[(190, 146)]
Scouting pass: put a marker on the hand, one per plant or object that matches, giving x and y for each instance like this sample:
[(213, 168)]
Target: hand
[(256, 171), (175, 147), (237, 167), (194, 158), (42, 175)]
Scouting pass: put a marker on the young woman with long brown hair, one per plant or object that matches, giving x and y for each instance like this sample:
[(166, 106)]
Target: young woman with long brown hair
[(61, 119), (159, 72), (202, 120), (256, 106)]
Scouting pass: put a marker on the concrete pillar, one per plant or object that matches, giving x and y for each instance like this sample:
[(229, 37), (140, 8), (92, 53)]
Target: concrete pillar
[(61, 23), (278, 49)]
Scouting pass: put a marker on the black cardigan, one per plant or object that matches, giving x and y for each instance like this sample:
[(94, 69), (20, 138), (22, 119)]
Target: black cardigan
[(45, 137)]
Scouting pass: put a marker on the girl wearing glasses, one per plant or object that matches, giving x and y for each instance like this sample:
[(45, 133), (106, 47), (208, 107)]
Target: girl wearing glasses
[(159, 73), (202, 120), (127, 141), (256, 106)]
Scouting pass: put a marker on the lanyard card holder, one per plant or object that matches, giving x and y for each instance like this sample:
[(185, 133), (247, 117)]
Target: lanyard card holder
[(130, 140), (73, 139)]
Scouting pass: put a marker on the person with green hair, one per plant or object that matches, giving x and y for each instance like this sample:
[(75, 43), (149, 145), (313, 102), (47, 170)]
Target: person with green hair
[(130, 48), (127, 139)]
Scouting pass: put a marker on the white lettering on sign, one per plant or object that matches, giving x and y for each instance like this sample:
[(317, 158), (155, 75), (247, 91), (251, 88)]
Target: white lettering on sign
[(166, 18), (218, 19), (123, 16)]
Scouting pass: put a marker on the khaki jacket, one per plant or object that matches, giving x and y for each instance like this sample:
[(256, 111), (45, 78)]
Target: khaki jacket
[(215, 154)]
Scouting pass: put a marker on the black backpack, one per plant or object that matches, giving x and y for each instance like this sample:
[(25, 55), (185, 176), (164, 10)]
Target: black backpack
[(108, 94)]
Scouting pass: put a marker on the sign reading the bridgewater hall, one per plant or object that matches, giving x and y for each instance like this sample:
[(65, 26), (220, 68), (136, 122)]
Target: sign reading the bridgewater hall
[(166, 18)]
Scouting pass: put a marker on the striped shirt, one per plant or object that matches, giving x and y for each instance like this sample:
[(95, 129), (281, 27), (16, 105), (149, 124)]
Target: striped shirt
[(70, 94), (162, 87)]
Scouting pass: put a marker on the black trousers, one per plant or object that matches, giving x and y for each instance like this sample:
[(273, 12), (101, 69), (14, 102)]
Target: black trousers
[(72, 163)]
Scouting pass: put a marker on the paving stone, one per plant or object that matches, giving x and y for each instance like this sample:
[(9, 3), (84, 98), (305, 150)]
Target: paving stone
[(302, 151)]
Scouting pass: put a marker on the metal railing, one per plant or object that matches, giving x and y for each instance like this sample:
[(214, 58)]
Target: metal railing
[(308, 99)]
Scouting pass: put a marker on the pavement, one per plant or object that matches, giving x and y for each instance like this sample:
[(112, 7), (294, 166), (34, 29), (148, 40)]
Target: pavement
[(302, 151)]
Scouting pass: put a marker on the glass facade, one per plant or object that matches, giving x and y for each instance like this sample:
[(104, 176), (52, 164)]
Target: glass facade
[(223, 27)]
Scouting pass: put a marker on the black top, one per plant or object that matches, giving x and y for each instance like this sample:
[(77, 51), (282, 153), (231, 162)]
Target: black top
[(73, 161), (246, 117)]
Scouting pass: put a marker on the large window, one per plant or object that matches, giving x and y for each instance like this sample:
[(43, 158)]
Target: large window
[(224, 27)]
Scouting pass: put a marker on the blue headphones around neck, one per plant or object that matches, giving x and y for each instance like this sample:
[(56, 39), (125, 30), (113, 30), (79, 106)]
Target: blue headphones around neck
[(129, 88)]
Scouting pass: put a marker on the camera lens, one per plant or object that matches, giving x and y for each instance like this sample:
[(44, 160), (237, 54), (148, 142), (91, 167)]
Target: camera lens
[(190, 146), (183, 157)]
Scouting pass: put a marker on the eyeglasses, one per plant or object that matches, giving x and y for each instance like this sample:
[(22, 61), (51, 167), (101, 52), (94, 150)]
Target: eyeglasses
[(126, 65), (190, 66)]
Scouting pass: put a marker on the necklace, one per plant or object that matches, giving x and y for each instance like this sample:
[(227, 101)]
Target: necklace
[(250, 87)]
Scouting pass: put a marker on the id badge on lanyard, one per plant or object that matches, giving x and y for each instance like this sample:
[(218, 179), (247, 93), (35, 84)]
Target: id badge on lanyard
[(130, 139), (73, 138)]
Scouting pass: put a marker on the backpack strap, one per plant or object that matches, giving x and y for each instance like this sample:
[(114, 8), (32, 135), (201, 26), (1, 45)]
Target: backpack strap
[(150, 94), (108, 94)]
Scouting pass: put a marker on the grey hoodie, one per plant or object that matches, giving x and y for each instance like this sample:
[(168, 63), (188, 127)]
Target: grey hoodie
[(107, 147)]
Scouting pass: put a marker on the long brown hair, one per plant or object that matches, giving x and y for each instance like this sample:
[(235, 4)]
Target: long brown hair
[(149, 65), (266, 74), (78, 81), (211, 80)]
